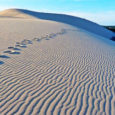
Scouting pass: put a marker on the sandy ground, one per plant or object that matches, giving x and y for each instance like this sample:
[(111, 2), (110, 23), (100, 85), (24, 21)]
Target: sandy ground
[(71, 72)]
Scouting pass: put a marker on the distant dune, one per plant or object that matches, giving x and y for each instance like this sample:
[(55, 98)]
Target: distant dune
[(55, 64)]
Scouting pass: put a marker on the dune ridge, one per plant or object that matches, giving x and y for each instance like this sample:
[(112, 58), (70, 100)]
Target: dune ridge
[(71, 20), (14, 13)]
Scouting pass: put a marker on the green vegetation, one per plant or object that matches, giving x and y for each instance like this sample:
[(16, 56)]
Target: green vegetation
[(112, 28)]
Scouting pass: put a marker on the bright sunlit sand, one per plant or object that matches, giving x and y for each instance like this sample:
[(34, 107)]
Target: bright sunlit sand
[(54, 64)]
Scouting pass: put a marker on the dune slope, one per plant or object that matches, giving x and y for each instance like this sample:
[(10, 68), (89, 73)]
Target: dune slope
[(51, 68), (71, 20)]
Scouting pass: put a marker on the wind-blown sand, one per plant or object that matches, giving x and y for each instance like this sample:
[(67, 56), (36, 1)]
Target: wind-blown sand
[(51, 68)]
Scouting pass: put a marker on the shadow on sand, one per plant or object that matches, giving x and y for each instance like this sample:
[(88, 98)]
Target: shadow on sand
[(11, 52), (1, 62), (13, 48), (4, 56), (15, 53), (71, 20), (21, 46), (113, 38)]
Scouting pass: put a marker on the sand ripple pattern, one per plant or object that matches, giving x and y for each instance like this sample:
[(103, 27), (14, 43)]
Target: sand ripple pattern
[(67, 75)]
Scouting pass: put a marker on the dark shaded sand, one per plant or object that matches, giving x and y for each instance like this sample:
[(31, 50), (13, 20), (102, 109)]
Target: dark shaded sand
[(4, 56), (1, 62), (13, 48), (21, 46), (14, 53), (11, 52), (113, 38)]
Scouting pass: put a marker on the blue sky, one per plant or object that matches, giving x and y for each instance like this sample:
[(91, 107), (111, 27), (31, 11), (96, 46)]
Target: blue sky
[(100, 11)]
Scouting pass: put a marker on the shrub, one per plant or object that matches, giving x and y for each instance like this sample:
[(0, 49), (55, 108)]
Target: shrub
[(113, 38)]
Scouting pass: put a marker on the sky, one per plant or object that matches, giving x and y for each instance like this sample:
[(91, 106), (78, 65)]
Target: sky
[(99, 11)]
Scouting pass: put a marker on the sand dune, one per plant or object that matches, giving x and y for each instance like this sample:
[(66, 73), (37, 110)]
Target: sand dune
[(14, 14), (71, 20), (59, 70)]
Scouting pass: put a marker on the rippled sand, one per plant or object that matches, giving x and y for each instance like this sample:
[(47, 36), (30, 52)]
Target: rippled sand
[(69, 73)]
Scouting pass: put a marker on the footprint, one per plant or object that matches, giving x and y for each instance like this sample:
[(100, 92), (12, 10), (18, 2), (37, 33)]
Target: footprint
[(25, 42), (14, 52), (1, 62), (47, 39), (20, 45), (17, 49), (13, 48), (10, 47), (37, 39), (11, 52), (4, 56), (43, 37), (51, 35), (8, 51)]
